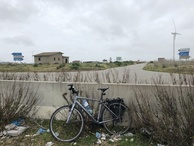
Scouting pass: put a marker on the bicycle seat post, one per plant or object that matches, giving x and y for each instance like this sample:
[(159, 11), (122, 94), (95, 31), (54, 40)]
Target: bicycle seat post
[(102, 92)]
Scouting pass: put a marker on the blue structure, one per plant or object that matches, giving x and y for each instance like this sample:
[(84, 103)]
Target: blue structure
[(184, 53), (17, 56)]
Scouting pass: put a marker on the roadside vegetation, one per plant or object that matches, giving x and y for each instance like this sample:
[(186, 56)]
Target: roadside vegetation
[(183, 67), (19, 67), (17, 100), (161, 117), (166, 115)]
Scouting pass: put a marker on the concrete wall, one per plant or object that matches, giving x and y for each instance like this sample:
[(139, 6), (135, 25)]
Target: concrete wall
[(50, 93)]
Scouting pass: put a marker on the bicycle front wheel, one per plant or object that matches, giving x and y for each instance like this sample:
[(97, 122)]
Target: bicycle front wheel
[(66, 131), (116, 118)]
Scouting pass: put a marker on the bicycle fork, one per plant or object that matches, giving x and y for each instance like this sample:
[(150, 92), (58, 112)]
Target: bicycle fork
[(70, 113)]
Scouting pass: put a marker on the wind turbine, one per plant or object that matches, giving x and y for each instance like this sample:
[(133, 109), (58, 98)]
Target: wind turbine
[(174, 37)]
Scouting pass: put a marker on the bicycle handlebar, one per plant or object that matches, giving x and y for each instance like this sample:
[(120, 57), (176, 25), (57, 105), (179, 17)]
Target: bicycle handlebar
[(72, 89)]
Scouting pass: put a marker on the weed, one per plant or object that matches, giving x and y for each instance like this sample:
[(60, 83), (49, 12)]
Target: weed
[(17, 101), (167, 118)]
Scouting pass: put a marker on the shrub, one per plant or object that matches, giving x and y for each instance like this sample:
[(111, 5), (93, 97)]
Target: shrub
[(118, 63), (35, 65), (75, 66), (61, 66), (16, 101), (166, 117)]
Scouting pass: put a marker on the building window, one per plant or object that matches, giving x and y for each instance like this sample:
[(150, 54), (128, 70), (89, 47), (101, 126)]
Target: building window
[(54, 58), (39, 59), (59, 59)]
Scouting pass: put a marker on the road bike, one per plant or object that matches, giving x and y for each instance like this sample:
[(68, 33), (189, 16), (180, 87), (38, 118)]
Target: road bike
[(67, 122)]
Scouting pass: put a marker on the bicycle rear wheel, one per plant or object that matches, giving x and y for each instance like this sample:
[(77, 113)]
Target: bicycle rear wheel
[(66, 132), (116, 124)]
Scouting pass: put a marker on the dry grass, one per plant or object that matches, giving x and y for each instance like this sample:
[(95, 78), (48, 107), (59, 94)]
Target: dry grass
[(182, 67), (15, 67)]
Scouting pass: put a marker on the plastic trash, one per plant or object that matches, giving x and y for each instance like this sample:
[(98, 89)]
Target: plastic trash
[(50, 143), (17, 131), (111, 140), (40, 131), (10, 126), (18, 122), (98, 135), (103, 136), (99, 141), (145, 131), (129, 134)]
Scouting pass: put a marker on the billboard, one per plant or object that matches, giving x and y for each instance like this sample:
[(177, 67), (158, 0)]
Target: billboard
[(17, 56), (118, 58), (184, 53)]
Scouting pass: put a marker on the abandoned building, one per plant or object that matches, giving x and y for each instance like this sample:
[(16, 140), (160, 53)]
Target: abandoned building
[(50, 58)]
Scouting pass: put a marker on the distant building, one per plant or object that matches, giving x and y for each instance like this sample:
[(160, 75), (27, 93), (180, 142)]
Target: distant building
[(161, 59), (104, 61), (76, 61), (50, 58), (119, 59)]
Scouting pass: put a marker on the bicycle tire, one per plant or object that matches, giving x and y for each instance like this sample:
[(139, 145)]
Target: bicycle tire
[(116, 125), (66, 132)]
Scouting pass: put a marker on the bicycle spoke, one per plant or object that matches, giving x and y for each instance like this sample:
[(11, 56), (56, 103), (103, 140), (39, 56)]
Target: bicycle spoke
[(63, 131)]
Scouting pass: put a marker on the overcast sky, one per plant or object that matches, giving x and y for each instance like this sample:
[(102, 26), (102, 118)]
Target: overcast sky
[(96, 29)]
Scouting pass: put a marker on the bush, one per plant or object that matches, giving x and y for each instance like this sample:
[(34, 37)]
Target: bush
[(16, 101), (61, 66), (167, 118), (118, 63), (75, 66), (35, 65)]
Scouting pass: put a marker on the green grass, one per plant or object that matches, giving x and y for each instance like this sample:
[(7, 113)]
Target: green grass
[(87, 138)]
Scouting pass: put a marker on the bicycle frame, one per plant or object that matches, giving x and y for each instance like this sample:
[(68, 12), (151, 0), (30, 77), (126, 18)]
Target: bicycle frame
[(101, 103)]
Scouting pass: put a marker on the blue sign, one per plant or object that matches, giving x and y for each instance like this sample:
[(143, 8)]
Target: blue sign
[(17, 56), (184, 53)]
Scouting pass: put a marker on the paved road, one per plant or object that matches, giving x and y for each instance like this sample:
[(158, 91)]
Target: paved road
[(129, 74), (138, 75)]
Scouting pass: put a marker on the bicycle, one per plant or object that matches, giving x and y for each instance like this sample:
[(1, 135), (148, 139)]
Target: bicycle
[(67, 122)]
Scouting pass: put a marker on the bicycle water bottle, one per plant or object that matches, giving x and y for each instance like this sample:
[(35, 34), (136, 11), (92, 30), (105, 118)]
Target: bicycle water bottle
[(87, 106)]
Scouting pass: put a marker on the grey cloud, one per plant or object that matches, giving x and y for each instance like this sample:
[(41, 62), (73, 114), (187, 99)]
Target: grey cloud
[(124, 27), (16, 11), (19, 40)]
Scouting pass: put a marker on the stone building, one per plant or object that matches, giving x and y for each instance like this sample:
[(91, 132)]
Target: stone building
[(50, 58)]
